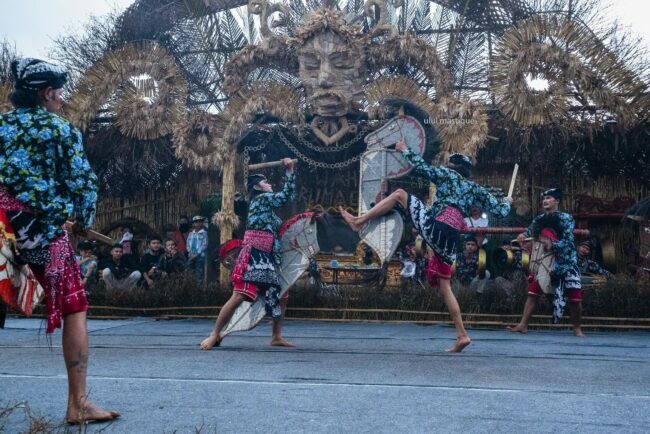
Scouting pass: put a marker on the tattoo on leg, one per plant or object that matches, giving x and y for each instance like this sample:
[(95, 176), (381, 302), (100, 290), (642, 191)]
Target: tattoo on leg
[(80, 364)]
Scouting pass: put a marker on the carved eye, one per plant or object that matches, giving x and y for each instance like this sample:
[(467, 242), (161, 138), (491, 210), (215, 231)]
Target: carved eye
[(341, 60), (310, 62)]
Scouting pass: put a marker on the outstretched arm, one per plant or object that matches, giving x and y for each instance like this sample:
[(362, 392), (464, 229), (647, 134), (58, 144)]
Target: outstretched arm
[(421, 168)]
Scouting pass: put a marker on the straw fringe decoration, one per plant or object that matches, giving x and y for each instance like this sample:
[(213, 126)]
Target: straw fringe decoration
[(157, 79), (225, 218), (5, 91), (274, 99), (593, 72), (461, 123), (414, 52), (197, 141)]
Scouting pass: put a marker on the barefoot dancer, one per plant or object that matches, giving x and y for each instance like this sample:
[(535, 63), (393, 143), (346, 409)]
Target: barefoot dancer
[(44, 178), (441, 224), (557, 228), (254, 272)]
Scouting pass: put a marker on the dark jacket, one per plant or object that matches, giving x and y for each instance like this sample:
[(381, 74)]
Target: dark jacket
[(121, 270), (174, 264), (150, 259)]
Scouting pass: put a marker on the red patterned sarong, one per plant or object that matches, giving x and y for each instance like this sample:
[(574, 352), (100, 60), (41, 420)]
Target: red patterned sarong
[(260, 240), (60, 276), (436, 270)]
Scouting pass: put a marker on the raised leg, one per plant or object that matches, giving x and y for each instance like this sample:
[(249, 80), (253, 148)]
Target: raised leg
[(462, 338), (225, 314), (384, 206)]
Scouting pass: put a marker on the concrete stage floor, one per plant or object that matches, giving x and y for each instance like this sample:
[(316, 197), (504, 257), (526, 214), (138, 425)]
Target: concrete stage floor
[(349, 377)]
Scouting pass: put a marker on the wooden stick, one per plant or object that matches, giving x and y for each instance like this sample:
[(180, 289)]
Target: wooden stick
[(94, 235), (268, 165), (512, 180)]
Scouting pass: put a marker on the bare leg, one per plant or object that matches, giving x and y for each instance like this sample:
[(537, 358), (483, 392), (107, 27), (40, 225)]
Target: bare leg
[(384, 206), (276, 339), (576, 317), (529, 308), (225, 314), (462, 339), (75, 354)]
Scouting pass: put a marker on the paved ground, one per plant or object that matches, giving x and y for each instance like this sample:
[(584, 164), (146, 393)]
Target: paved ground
[(342, 378)]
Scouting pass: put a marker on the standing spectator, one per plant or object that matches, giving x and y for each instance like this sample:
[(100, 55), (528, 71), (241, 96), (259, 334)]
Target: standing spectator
[(129, 246), (197, 244), (172, 261), (180, 235), (119, 274), (150, 260), (87, 263)]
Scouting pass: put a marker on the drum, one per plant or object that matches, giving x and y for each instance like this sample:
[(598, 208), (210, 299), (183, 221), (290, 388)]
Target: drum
[(541, 264)]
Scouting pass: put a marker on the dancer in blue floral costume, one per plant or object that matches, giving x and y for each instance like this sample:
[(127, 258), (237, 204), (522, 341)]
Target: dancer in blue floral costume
[(254, 273), (555, 229), (441, 224), (45, 180)]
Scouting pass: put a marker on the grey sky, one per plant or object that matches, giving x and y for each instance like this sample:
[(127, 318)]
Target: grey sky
[(32, 24)]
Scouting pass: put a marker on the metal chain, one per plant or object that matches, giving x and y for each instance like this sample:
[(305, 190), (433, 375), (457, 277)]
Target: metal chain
[(321, 164), (248, 150), (338, 147)]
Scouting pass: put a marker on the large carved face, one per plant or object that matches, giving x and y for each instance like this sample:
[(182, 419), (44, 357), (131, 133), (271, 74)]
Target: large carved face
[(332, 71)]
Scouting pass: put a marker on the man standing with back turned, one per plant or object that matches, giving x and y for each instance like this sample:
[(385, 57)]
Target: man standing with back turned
[(45, 179)]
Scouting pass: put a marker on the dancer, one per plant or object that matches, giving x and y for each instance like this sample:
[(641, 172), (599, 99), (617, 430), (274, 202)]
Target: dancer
[(555, 230), (44, 178), (255, 269), (441, 224)]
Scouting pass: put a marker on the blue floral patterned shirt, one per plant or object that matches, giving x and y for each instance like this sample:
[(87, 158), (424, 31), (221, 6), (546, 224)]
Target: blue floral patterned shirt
[(588, 266), (452, 189), (565, 252), (261, 216), (43, 164)]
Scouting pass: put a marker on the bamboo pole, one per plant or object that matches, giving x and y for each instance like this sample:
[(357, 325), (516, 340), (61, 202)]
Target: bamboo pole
[(227, 207), (269, 164)]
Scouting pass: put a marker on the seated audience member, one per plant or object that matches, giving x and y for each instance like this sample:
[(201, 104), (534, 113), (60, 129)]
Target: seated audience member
[(172, 261), (467, 262), (477, 219), (586, 264), (150, 260), (119, 274), (87, 263)]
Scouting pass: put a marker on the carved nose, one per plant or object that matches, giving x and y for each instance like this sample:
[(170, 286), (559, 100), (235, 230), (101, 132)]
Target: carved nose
[(324, 80)]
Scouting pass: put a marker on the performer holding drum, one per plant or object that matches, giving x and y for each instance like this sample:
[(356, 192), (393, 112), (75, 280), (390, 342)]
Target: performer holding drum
[(554, 265), (440, 225), (255, 272)]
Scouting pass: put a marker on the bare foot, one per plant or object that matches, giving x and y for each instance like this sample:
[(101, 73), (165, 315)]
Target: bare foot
[(213, 340), (459, 345), (89, 413), (578, 332), (281, 342), (518, 329), (349, 219)]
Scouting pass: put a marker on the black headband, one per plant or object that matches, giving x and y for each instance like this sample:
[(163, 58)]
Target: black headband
[(35, 74)]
